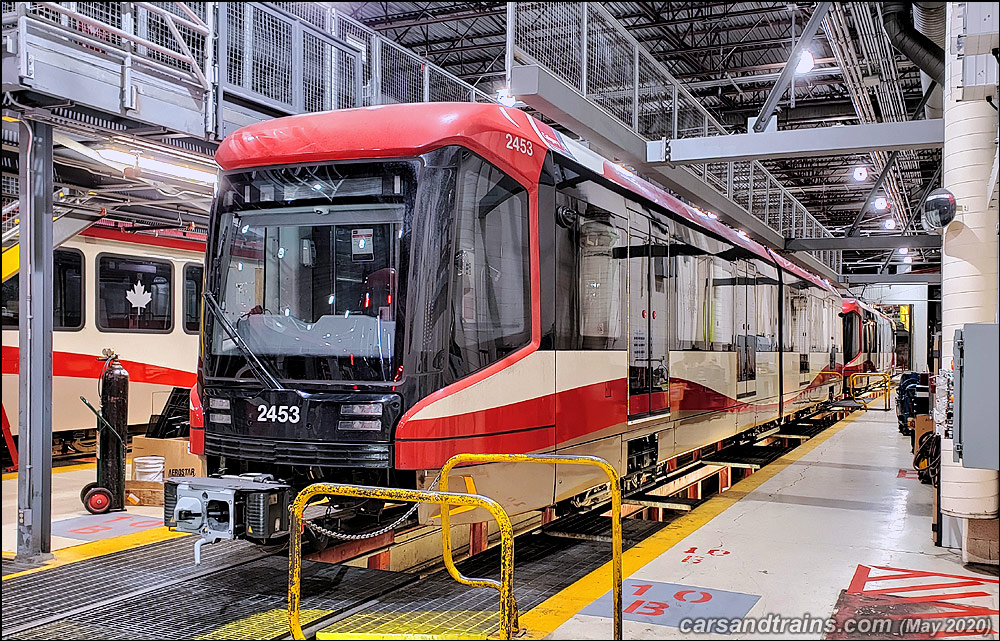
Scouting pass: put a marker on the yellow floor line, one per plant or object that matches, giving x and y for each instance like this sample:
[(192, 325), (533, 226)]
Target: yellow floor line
[(64, 468), (543, 619), (102, 547)]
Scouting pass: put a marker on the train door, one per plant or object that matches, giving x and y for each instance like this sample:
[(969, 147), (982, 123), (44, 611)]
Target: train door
[(659, 347), (746, 339), (639, 352)]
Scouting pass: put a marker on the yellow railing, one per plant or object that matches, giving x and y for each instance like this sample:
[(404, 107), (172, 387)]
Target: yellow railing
[(885, 377), (558, 459), (505, 585)]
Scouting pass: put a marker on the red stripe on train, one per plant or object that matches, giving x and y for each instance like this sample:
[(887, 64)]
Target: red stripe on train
[(87, 366), (430, 454)]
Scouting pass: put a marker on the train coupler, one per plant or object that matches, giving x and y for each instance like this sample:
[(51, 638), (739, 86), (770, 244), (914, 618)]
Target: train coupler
[(228, 507)]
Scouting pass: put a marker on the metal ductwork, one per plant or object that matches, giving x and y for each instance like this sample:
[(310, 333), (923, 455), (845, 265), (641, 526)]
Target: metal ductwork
[(920, 49), (929, 18)]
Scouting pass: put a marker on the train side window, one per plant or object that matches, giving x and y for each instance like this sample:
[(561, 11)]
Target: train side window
[(67, 293), (192, 298), (133, 294), (590, 277), (492, 312)]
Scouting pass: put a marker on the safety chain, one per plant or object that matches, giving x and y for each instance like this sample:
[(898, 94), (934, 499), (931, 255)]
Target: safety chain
[(369, 535)]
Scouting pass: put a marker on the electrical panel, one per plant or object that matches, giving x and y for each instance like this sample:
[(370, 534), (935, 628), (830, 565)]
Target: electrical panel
[(976, 430)]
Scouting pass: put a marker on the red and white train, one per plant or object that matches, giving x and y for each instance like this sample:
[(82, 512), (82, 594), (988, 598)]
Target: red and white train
[(869, 339), (427, 279), (138, 294)]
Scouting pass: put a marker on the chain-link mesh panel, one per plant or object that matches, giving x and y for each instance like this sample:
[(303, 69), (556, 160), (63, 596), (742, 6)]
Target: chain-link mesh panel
[(691, 120), (551, 33), (259, 51), (445, 88), (315, 13), (317, 73), (346, 79), (656, 97), (402, 75), (154, 28), (361, 37), (237, 34), (10, 196), (610, 67)]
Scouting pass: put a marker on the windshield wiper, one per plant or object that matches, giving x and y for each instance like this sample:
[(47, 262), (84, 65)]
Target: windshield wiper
[(259, 370)]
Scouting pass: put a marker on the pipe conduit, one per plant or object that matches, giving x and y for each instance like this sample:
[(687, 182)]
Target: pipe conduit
[(920, 49)]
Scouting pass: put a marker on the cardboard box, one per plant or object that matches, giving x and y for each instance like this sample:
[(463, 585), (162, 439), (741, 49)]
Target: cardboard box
[(143, 493), (177, 459), (922, 424)]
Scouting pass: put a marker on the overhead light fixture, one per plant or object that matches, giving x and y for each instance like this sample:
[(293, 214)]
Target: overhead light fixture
[(881, 203), (158, 166), (889, 223), (904, 250), (861, 174), (504, 97), (908, 260), (806, 63)]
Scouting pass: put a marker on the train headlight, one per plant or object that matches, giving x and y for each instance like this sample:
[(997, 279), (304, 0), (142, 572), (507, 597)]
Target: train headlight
[(368, 409), (218, 403), (365, 426)]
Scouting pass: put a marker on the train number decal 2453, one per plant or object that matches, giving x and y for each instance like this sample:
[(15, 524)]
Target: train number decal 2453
[(277, 413), (519, 144)]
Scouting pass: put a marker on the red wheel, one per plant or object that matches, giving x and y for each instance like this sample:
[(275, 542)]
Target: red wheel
[(97, 500), (87, 488)]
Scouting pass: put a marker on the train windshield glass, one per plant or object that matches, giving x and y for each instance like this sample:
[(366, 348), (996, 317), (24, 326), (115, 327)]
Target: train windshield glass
[(310, 263)]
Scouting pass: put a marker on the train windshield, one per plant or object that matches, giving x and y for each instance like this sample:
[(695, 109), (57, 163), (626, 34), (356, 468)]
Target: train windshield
[(309, 266)]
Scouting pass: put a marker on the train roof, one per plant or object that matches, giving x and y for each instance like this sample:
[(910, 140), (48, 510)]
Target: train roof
[(857, 305), (390, 131)]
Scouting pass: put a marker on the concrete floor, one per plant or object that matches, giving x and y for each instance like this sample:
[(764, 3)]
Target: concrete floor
[(792, 545), (72, 525)]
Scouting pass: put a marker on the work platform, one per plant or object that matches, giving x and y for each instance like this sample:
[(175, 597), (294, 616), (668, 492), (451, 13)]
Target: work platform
[(835, 529)]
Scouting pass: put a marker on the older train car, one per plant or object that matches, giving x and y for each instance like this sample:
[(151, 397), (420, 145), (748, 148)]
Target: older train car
[(138, 294)]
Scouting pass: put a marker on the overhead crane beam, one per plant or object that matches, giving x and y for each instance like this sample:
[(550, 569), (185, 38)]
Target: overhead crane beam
[(801, 143), (863, 243)]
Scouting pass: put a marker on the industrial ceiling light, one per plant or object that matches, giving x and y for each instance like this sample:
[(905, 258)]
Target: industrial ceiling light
[(881, 203), (904, 250), (908, 260), (861, 174), (889, 223), (158, 166), (806, 63)]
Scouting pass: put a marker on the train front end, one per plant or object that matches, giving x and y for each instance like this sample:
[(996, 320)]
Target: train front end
[(331, 305)]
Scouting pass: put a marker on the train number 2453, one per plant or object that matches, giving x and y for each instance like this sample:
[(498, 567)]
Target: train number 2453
[(519, 144), (277, 413)]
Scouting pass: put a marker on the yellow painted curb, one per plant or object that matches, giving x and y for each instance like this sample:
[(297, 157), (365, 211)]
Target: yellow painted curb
[(544, 618), (102, 547)]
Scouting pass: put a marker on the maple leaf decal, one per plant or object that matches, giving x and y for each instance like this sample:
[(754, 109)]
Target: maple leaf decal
[(138, 295)]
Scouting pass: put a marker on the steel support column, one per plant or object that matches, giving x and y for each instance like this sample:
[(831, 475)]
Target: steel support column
[(34, 480)]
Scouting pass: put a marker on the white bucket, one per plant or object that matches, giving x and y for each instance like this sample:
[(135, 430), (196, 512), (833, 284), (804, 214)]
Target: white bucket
[(148, 468)]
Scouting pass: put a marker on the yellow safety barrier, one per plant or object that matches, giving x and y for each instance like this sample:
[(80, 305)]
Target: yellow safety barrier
[(505, 585), (558, 459), (884, 376)]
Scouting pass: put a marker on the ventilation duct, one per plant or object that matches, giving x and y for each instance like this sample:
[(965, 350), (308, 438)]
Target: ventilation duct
[(929, 19), (928, 56)]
